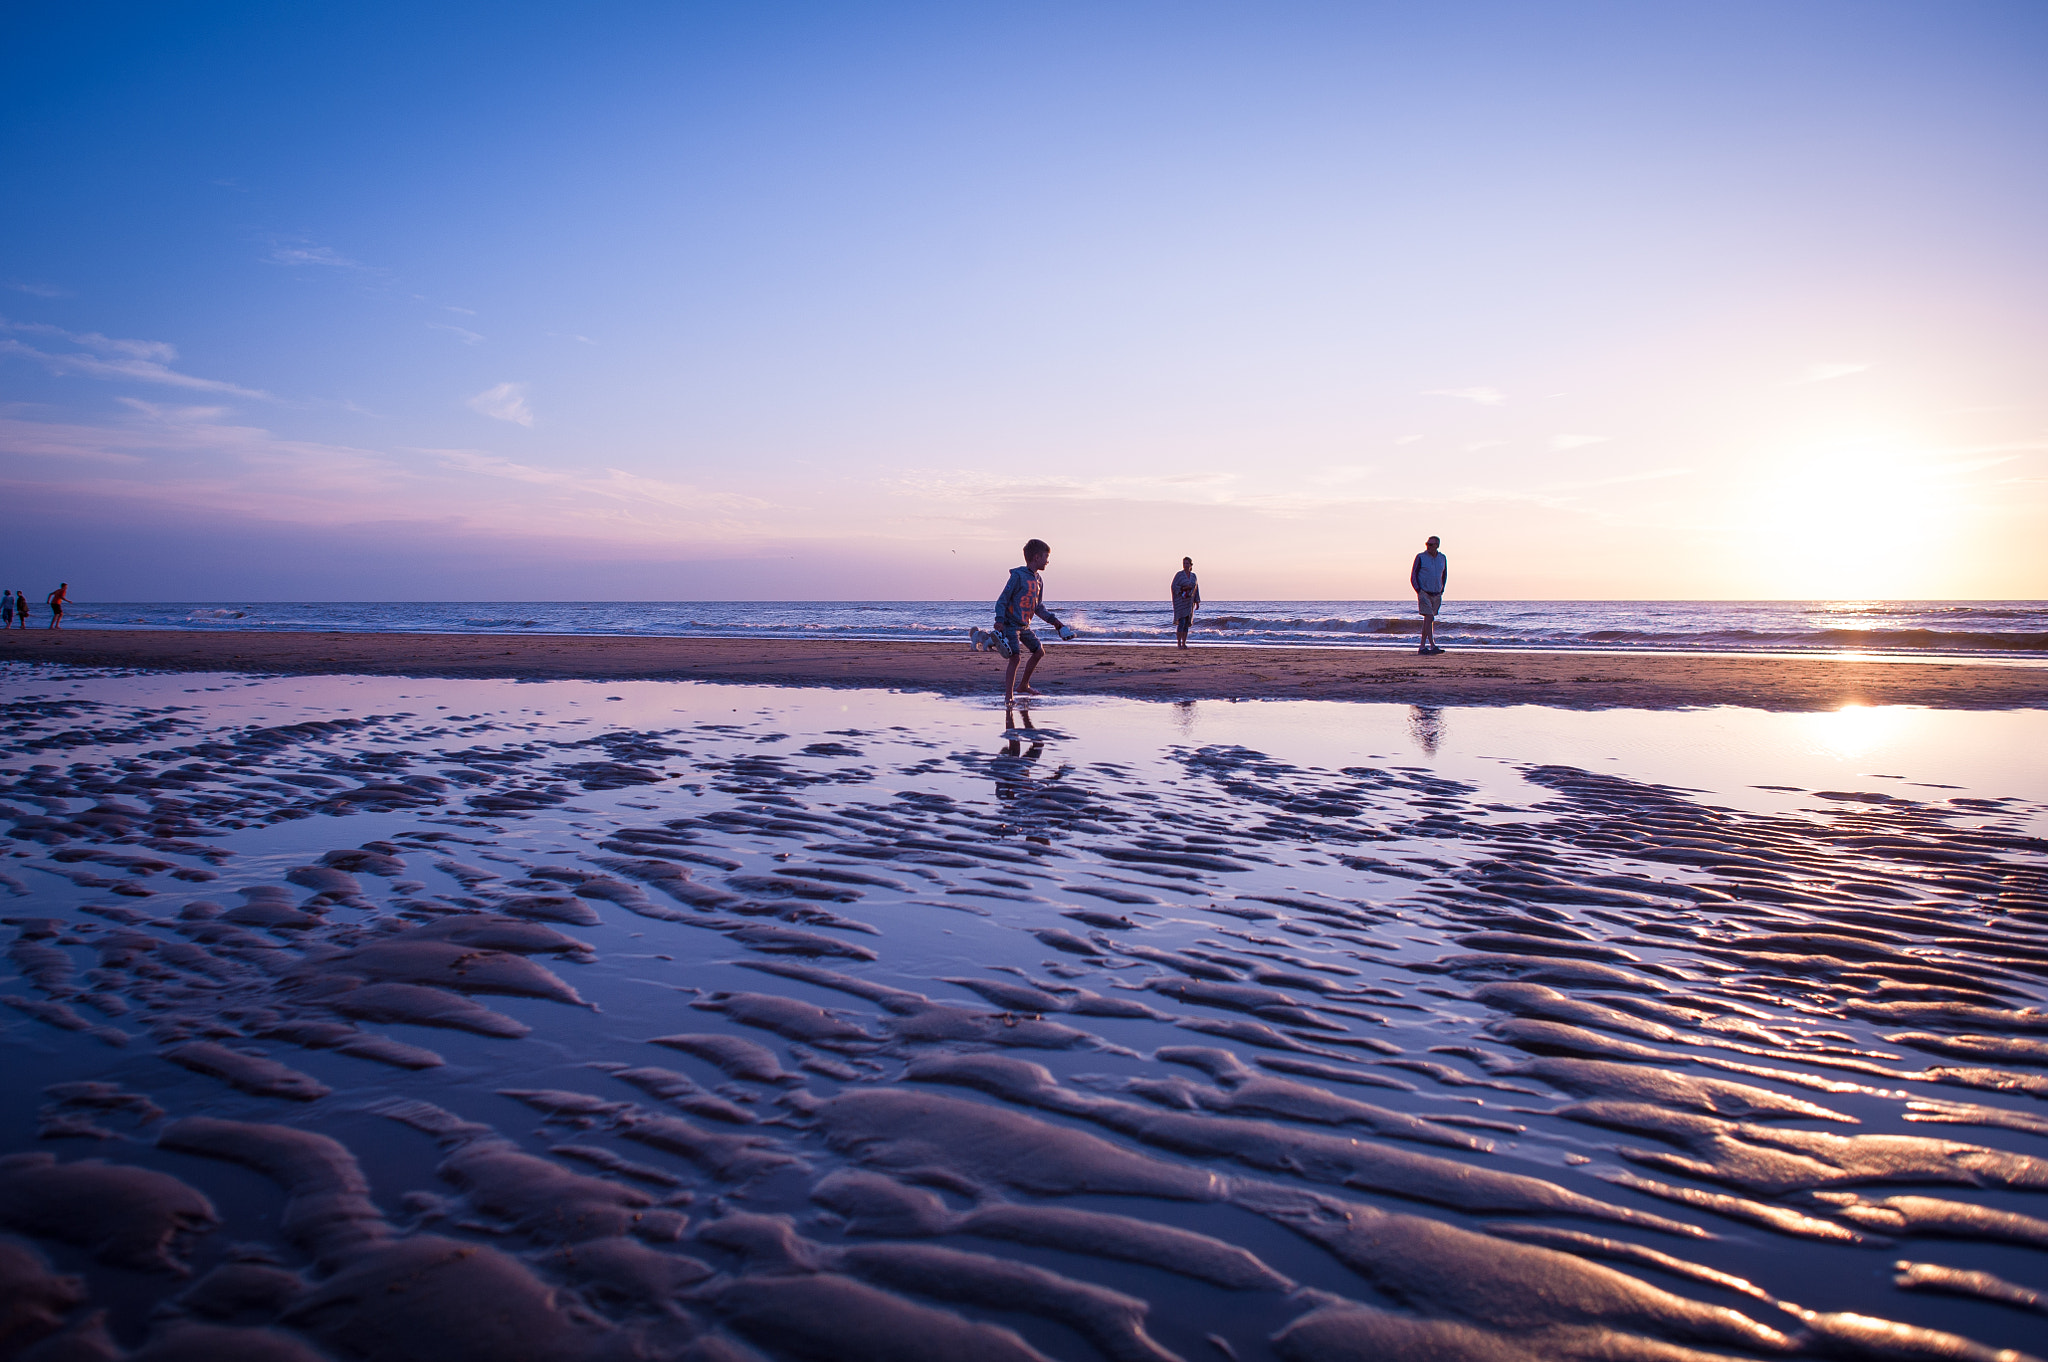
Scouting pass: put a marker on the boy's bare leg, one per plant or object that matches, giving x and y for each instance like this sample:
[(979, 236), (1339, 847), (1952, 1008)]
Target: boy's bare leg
[(1024, 681)]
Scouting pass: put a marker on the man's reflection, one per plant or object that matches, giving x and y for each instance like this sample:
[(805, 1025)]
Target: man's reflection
[(1426, 726)]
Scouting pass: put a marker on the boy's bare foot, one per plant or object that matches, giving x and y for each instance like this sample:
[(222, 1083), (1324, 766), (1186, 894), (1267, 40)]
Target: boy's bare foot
[(1029, 690)]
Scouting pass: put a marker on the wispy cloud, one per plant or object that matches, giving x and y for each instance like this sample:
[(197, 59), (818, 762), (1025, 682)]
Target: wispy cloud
[(1625, 479), (467, 336), (571, 335), (92, 340), (973, 486), (49, 440), (191, 461), (1485, 397), (1821, 373), (491, 466), (111, 357), (505, 402), (37, 290), (1560, 497), (304, 253), (616, 484), (1562, 442)]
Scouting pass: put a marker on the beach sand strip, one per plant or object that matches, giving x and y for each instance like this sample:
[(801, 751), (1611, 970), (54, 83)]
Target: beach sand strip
[(1575, 680)]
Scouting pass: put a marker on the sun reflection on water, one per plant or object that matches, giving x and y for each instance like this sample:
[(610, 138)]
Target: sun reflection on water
[(1855, 731)]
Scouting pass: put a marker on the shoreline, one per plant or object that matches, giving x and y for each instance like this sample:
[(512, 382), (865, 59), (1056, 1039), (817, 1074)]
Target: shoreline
[(1241, 672)]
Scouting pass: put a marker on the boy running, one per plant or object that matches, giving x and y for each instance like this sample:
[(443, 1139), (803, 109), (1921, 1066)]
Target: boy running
[(1023, 598)]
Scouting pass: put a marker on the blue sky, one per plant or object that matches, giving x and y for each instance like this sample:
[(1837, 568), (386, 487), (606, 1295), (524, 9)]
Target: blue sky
[(843, 301)]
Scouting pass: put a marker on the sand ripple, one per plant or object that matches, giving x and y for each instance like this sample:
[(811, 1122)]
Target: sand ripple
[(514, 1033)]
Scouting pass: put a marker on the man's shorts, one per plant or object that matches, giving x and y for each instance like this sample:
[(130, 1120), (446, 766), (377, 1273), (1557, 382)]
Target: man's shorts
[(1010, 636), (1183, 617), (1427, 603)]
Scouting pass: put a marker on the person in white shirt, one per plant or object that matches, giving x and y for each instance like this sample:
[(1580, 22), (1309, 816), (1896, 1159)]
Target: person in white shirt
[(1429, 576)]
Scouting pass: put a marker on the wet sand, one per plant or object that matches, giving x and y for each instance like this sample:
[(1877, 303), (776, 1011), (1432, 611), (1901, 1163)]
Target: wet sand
[(366, 1018), (1574, 680)]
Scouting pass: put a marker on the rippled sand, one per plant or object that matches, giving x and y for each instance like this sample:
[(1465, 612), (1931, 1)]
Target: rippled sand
[(448, 1020)]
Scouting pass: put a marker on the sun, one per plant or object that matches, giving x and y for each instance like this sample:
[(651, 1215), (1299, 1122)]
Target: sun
[(1858, 520)]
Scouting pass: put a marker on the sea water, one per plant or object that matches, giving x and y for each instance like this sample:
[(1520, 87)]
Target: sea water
[(1996, 628)]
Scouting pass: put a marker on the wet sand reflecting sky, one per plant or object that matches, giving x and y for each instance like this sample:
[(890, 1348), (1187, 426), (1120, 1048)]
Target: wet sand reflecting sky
[(719, 1021)]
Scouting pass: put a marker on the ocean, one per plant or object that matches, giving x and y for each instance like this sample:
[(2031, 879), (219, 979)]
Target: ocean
[(1890, 627)]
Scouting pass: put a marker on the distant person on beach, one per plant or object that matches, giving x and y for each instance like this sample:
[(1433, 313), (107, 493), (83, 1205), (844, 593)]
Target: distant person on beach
[(1187, 599), (56, 600), (1429, 576), (20, 608), (6, 609), (1023, 599)]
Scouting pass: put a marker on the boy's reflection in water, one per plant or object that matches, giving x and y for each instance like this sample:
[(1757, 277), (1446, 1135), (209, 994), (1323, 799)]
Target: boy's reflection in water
[(1016, 786)]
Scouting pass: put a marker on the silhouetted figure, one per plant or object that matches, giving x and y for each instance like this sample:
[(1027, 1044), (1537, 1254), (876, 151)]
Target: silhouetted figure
[(1187, 599), (56, 600), (7, 609)]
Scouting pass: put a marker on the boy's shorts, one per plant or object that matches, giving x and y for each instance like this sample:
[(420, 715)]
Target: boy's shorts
[(1427, 603), (1010, 636)]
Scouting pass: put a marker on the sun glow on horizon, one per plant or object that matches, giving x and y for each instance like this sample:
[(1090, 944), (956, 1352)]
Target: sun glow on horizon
[(1860, 519)]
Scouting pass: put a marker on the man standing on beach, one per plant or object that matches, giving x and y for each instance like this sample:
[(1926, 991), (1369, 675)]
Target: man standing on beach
[(1023, 598), (1187, 599), (1428, 577), (56, 600)]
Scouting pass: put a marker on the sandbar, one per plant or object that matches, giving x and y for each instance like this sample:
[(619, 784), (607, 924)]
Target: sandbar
[(1573, 680)]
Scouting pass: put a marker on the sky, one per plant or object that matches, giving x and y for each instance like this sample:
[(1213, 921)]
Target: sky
[(839, 301)]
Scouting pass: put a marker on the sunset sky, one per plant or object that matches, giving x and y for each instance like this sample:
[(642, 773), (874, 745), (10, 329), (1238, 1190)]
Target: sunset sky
[(844, 300)]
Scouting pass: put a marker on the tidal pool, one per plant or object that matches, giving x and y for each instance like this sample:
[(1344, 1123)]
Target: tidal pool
[(384, 1018)]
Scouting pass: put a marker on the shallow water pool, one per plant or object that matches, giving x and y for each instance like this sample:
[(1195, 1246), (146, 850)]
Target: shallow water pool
[(381, 1017)]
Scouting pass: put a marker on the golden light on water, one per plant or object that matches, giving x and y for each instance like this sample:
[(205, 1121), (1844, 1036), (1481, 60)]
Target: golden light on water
[(1856, 731)]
